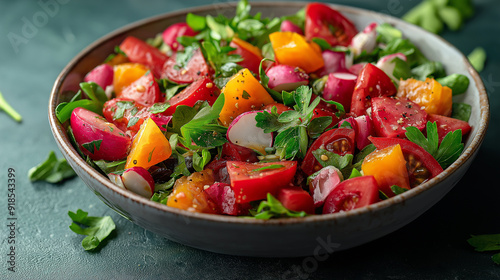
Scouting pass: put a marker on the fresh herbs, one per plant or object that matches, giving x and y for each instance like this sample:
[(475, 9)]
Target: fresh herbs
[(457, 82), (95, 103), (349, 165), (486, 242), (477, 58), (272, 208), (52, 170), (96, 228), (9, 110), (445, 153)]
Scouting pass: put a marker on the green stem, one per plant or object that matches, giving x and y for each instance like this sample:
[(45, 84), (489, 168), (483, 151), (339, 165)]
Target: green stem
[(9, 110)]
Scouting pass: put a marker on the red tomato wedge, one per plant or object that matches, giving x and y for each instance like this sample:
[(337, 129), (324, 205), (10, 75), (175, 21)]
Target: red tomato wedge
[(372, 82), (327, 23), (141, 52), (145, 91), (175, 31), (230, 152), (420, 164), (351, 194), (296, 199), (391, 116), (195, 68), (202, 89), (121, 111), (339, 141), (447, 124), (250, 54), (253, 181)]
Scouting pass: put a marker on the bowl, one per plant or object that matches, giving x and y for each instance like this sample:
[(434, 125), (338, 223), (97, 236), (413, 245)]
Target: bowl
[(291, 237)]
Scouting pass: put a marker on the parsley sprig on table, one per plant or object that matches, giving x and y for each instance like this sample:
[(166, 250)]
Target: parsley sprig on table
[(52, 170), (486, 242), (445, 153), (96, 228)]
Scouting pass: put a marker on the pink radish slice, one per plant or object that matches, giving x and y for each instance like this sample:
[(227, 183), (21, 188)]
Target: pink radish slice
[(387, 64), (98, 138), (334, 62), (324, 183), (288, 26), (244, 132), (286, 77), (339, 87), (365, 40), (116, 179), (161, 121), (364, 129), (101, 75), (356, 68), (224, 198), (139, 181)]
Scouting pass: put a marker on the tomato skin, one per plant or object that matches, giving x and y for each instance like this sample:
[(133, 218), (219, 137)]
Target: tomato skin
[(249, 186), (145, 91), (230, 152), (296, 199), (250, 54), (319, 18), (196, 68), (328, 140), (141, 52), (447, 124), (201, 89), (391, 116), (372, 82), (174, 31), (414, 155), (351, 194)]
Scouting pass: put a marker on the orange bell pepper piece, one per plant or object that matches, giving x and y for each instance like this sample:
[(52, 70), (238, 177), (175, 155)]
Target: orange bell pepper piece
[(125, 74), (388, 166), (293, 49), (149, 147), (429, 94), (242, 93), (188, 193)]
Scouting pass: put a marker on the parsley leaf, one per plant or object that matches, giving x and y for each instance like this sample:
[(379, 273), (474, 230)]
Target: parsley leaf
[(397, 189), (273, 208), (9, 110), (97, 228), (52, 170), (445, 153), (486, 242), (92, 146), (95, 103)]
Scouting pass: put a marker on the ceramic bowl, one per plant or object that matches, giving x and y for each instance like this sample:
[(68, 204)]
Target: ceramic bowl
[(292, 237)]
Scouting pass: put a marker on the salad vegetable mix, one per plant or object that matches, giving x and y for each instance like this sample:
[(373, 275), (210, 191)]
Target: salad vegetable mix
[(269, 117)]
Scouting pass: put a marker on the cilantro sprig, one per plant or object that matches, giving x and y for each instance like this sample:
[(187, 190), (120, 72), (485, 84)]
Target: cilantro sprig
[(445, 153), (52, 170), (96, 228), (273, 208)]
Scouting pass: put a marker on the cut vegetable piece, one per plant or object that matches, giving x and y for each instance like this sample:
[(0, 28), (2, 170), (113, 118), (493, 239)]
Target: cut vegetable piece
[(225, 200), (144, 90), (428, 94), (98, 138), (339, 88), (388, 166), (188, 193), (351, 194), (125, 74), (251, 54), (201, 89), (324, 183), (188, 71), (446, 124), (391, 116), (244, 132), (288, 26), (150, 147), (138, 51), (116, 179), (389, 63), (101, 75), (175, 31), (334, 62), (243, 93), (139, 181), (296, 199), (365, 41), (286, 77)]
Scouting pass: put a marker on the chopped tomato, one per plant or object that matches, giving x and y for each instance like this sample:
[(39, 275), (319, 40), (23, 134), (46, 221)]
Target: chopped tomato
[(323, 111), (296, 199), (121, 111), (372, 82), (175, 31), (230, 152), (388, 166), (138, 51), (188, 193), (391, 116), (351, 194), (339, 141), (446, 124), (253, 181), (202, 89), (145, 90), (420, 164), (327, 23), (191, 70), (251, 54), (429, 94)]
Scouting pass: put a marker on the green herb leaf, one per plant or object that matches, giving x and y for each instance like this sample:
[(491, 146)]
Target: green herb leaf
[(199, 162), (461, 111), (477, 58), (9, 110), (96, 228), (197, 23), (92, 146), (342, 163), (52, 170), (428, 69), (386, 33), (158, 108), (397, 189), (272, 166), (485, 242), (273, 208), (457, 82)]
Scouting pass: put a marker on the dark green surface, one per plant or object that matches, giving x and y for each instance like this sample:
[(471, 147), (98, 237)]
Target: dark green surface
[(432, 247)]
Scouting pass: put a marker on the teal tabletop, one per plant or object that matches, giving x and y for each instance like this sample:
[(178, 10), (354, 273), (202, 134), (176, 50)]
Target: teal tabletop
[(38, 38)]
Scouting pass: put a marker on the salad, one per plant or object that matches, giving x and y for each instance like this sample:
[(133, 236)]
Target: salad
[(269, 117)]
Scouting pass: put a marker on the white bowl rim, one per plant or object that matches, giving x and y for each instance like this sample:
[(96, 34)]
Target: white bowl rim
[(61, 137)]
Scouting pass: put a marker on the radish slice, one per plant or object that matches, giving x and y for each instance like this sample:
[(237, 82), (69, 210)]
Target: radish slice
[(334, 62), (364, 129), (116, 179), (286, 77), (101, 75), (139, 181), (387, 64), (324, 183), (243, 131), (339, 87), (289, 26), (365, 40), (356, 68)]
